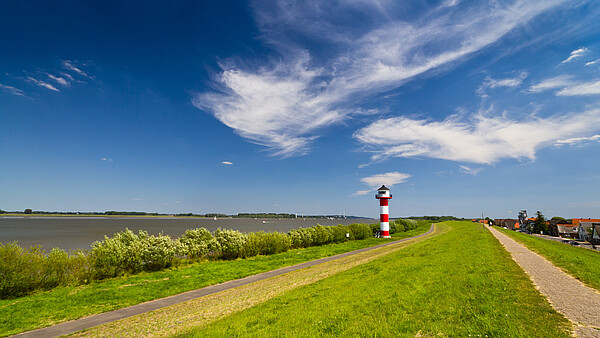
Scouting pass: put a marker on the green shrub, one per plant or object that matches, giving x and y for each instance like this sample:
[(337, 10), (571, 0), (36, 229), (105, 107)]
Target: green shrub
[(20, 269), (301, 238), (262, 243), (398, 225), (231, 243), (339, 233), (321, 235), (198, 243), (127, 252), (23, 270), (360, 230), (157, 252)]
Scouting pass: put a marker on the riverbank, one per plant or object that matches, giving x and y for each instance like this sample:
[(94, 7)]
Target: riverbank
[(66, 303), (71, 233)]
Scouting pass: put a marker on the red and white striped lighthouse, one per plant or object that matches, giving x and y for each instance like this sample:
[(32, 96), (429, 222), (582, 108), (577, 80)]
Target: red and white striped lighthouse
[(383, 195)]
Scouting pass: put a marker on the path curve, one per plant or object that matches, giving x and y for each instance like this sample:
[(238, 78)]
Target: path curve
[(106, 317), (576, 301)]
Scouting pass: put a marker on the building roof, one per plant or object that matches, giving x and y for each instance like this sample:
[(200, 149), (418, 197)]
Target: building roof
[(383, 188), (578, 220)]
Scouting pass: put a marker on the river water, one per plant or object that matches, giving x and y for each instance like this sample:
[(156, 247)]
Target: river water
[(71, 233)]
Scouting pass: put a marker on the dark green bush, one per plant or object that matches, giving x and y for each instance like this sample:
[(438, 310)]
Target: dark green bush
[(339, 233)]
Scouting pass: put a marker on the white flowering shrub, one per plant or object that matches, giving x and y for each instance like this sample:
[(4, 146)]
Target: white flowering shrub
[(131, 253), (231, 243), (198, 243)]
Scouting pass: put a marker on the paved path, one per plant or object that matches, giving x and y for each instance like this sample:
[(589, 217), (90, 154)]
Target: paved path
[(576, 301), (103, 318)]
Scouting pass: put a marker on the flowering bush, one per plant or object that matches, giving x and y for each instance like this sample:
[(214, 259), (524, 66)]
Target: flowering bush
[(198, 243), (231, 243), (127, 252)]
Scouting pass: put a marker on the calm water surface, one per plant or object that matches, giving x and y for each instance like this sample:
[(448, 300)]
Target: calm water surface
[(80, 232)]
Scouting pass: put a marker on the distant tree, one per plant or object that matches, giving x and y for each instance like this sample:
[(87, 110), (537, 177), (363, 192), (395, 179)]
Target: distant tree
[(27, 211), (557, 218), (540, 224), (2, 211)]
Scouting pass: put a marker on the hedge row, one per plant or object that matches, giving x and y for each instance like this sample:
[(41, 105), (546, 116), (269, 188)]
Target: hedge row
[(23, 270)]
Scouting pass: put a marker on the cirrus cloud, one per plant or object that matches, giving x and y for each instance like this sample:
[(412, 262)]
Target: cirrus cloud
[(283, 105), (575, 54), (479, 139)]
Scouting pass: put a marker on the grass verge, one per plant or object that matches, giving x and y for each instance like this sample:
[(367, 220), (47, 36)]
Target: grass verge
[(67, 303), (201, 311), (581, 263), (461, 283)]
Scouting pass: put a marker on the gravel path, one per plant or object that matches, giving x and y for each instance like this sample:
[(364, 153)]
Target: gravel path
[(576, 301)]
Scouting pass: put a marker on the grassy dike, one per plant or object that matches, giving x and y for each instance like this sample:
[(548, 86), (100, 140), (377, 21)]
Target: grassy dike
[(461, 283), (581, 263), (66, 303)]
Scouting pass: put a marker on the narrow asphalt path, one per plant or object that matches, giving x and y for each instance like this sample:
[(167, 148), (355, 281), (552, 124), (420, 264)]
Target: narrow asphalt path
[(576, 301), (103, 318)]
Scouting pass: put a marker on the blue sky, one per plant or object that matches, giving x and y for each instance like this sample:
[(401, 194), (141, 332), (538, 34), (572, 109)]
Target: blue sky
[(460, 107)]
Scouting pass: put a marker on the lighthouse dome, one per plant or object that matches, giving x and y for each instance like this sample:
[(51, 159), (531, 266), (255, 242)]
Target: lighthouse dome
[(383, 192)]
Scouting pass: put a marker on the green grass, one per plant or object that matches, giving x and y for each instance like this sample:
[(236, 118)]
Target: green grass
[(581, 263), (66, 303), (461, 283)]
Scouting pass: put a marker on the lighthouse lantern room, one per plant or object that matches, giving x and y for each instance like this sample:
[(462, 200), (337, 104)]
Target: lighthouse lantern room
[(383, 195)]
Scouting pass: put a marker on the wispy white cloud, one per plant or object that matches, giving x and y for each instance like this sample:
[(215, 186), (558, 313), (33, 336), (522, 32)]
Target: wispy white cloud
[(479, 139), (592, 62), (59, 80), (388, 179), (577, 140), (227, 162), (136, 199), (362, 192), (510, 82), (42, 84), (469, 170), (284, 104), (587, 88), (575, 54), (506, 82), (106, 159), (552, 83), (72, 66), (11, 90)]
